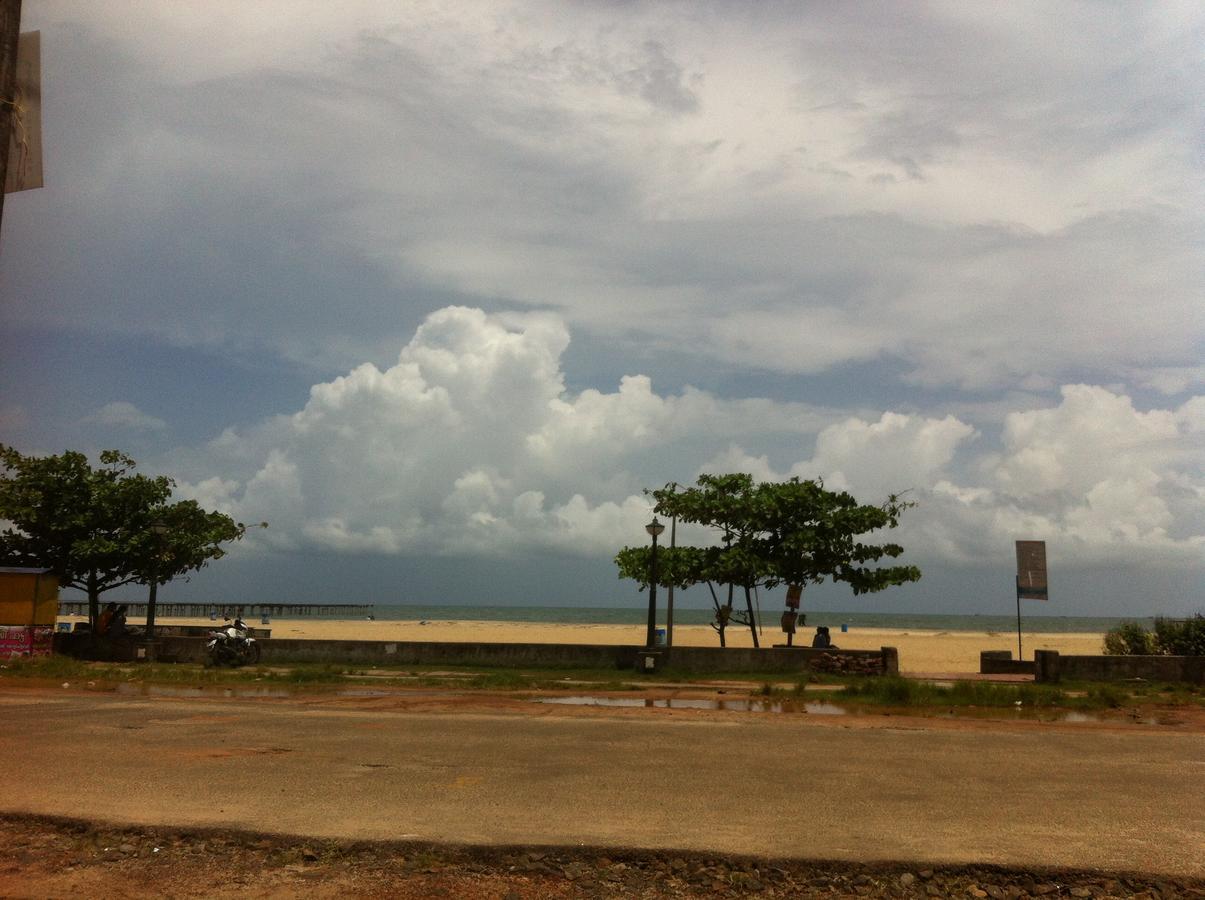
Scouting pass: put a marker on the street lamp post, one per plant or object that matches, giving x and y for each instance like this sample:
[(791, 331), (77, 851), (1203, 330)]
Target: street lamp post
[(669, 591), (158, 529), (654, 528)]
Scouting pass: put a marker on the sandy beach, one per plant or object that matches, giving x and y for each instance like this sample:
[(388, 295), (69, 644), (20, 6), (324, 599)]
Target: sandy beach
[(920, 651)]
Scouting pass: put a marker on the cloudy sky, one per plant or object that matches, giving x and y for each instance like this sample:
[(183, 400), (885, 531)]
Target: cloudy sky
[(437, 289)]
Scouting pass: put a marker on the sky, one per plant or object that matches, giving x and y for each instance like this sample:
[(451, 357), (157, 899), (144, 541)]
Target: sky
[(438, 289)]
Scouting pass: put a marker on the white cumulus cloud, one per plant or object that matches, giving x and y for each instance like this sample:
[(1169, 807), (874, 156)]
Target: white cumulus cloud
[(471, 443), (123, 414)]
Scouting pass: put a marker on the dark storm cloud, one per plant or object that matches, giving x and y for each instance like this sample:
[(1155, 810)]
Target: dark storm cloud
[(916, 228)]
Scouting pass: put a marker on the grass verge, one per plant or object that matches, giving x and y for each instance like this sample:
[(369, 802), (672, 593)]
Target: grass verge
[(63, 668), (905, 692), (893, 692)]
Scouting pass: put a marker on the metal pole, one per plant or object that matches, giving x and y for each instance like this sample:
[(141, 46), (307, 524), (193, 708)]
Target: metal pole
[(651, 636), (1019, 654), (669, 600)]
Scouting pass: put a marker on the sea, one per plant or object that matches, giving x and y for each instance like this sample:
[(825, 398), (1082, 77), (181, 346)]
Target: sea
[(633, 615)]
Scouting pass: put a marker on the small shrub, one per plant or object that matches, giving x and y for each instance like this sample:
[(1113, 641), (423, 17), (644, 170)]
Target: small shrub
[(1106, 695), (1181, 637), (1129, 639)]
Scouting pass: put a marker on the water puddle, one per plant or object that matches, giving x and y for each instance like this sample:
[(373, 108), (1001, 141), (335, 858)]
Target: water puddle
[(737, 705)]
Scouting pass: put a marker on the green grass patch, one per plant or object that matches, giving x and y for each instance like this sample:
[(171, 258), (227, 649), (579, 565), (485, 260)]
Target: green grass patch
[(47, 667), (74, 670), (63, 668), (906, 692), (895, 691)]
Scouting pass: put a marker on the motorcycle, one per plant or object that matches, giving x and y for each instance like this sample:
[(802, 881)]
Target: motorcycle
[(232, 646)]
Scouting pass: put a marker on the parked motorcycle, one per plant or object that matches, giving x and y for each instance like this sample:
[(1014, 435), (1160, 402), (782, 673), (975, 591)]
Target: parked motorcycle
[(233, 646)]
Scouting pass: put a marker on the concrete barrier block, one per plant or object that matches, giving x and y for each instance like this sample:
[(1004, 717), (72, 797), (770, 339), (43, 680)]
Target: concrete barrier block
[(1046, 665), (891, 660)]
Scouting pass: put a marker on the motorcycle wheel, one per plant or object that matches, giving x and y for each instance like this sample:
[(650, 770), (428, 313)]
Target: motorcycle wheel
[(251, 654)]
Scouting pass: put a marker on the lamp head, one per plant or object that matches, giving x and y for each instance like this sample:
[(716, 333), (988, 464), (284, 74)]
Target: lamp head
[(654, 527)]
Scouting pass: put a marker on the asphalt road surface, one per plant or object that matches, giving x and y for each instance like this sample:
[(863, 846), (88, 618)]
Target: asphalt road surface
[(870, 789)]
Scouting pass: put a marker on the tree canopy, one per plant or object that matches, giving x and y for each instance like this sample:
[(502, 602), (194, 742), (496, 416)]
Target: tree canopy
[(92, 526), (794, 532)]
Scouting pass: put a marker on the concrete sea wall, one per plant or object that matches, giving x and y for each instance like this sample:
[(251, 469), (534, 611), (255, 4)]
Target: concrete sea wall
[(186, 648), (1001, 662), (1050, 665)]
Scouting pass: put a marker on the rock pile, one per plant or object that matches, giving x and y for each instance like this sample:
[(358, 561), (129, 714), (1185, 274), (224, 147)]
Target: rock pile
[(842, 664)]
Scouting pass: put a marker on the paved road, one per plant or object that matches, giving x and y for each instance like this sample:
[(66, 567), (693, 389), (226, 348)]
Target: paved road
[(738, 783)]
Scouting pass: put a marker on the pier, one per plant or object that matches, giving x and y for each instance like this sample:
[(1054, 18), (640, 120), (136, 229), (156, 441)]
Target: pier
[(243, 610)]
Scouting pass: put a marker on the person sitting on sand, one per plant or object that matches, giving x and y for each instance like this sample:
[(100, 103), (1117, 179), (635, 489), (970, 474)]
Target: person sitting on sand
[(117, 627), (822, 641), (105, 619)]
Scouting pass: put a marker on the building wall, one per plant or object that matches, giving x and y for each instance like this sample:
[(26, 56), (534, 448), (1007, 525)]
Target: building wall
[(28, 598), (29, 602)]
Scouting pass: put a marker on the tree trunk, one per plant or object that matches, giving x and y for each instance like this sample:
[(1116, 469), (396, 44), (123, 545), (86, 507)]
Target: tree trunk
[(93, 603), (721, 612), (752, 620)]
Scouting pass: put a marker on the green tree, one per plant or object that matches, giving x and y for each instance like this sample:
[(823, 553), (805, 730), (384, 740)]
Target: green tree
[(92, 526), (1171, 637), (794, 532), (1181, 637)]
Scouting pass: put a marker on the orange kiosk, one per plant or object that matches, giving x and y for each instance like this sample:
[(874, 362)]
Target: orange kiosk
[(29, 603)]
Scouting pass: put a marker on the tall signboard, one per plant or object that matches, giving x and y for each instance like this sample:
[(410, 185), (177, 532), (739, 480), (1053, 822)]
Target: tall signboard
[(1031, 570), (1031, 578), (24, 170)]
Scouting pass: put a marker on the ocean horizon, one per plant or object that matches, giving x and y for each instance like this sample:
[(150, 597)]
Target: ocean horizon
[(634, 615)]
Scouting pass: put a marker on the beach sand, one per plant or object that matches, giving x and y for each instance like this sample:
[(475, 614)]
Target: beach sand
[(920, 651)]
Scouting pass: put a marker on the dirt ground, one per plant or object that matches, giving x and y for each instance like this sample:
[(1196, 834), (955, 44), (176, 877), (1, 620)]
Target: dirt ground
[(45, 857), (52, 856)]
